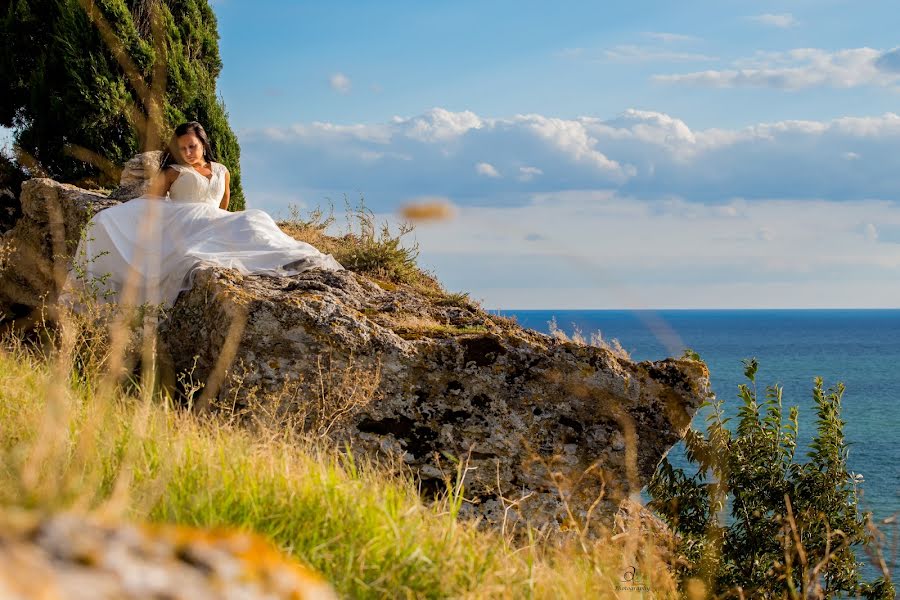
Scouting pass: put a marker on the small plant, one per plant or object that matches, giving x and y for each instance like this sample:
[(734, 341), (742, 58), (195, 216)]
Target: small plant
[(316, 221), (691, 354), (794, 526), (596, 339), (365, 247), (376, 250), (457, 299)]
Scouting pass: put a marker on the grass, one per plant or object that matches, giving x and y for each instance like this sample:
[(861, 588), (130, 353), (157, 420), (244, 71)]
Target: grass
[(366, 247), (419, 326), (70, 440), (596, 339)]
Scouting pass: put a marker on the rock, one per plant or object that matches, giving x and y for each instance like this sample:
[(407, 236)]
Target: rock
[(48, 223), (541, 428), (35, 253), (136, 175), (72, 557)]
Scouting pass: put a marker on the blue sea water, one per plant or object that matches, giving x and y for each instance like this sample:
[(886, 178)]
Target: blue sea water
[(860, 348)]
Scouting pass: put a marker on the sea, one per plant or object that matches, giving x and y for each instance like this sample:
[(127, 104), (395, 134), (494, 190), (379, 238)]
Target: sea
[(860, 348)]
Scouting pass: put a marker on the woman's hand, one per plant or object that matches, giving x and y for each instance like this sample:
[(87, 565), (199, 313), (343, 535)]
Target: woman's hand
[(227, 197)]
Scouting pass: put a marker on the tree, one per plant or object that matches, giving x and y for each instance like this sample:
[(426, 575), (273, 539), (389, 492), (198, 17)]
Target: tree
[(794, 526), (89, 83)]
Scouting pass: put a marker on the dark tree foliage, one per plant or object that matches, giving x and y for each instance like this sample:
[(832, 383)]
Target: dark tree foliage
[(82, 78), (794, 526), (11, 178)]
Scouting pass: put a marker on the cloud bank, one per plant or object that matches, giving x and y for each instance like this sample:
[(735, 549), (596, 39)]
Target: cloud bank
[(591, 249), (639, 210), (466, 156), (800, 68)]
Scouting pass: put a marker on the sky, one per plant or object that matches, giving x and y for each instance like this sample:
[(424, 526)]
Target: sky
[(650, 154)]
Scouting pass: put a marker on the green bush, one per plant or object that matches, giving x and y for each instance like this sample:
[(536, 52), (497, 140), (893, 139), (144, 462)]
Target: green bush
[(793, 527)]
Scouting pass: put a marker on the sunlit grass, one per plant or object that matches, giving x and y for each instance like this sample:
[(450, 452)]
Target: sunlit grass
[(66, 444)]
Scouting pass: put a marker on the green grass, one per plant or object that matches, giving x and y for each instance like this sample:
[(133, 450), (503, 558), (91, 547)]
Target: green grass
[(76, 442)]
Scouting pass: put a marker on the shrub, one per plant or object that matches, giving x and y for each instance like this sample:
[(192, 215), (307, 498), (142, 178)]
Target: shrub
[(794, 526), (366, 247), (378, 251)]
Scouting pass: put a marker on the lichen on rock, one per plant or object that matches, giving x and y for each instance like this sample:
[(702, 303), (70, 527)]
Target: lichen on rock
[(536, 429), (543, 430), (73, 557), (37, 250)]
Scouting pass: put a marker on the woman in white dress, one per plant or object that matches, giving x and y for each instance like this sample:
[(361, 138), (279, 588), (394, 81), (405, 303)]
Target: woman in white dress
[(145, 250)]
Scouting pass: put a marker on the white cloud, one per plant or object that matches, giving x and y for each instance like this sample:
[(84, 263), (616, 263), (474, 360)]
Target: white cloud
[(767, 233), (487, 169), (572, 139), (439, 124), (782, 21), (340, 83), (801, 68), (529, 173), (648, 153), (889, 61), (636, 211), (669, 38), (870, 232), (633, 53)]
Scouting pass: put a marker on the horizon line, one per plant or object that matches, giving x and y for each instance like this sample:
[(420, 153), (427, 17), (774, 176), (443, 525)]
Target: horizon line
[(795, 308)]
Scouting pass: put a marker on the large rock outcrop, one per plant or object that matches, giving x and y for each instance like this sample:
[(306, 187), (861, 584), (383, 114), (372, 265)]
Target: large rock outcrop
[(36, 250), (35, 253), (136, 175), (555, 432), (71, 557), (560, 430)]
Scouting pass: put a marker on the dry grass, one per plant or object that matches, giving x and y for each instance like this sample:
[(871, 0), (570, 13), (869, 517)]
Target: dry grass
[(418, 326), (365, 247), (71, 439), (595, 339), (314, 408)]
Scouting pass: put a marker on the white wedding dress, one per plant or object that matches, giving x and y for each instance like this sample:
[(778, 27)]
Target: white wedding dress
[(146, 249)]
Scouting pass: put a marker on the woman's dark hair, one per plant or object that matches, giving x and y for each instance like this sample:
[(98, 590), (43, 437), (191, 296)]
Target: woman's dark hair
[(171, 156)]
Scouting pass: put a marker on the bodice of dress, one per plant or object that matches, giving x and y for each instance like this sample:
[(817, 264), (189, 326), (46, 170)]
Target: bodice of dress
[(191, 186)]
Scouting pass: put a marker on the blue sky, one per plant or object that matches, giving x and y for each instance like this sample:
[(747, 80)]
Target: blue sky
[(502, 58), (732, 154), (651, 154)]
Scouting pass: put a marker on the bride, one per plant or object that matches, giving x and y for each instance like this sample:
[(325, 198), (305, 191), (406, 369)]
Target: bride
[(146, 249)]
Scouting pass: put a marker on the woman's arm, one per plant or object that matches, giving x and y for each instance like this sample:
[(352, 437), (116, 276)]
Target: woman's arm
[(227, 197), (161, 182)]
